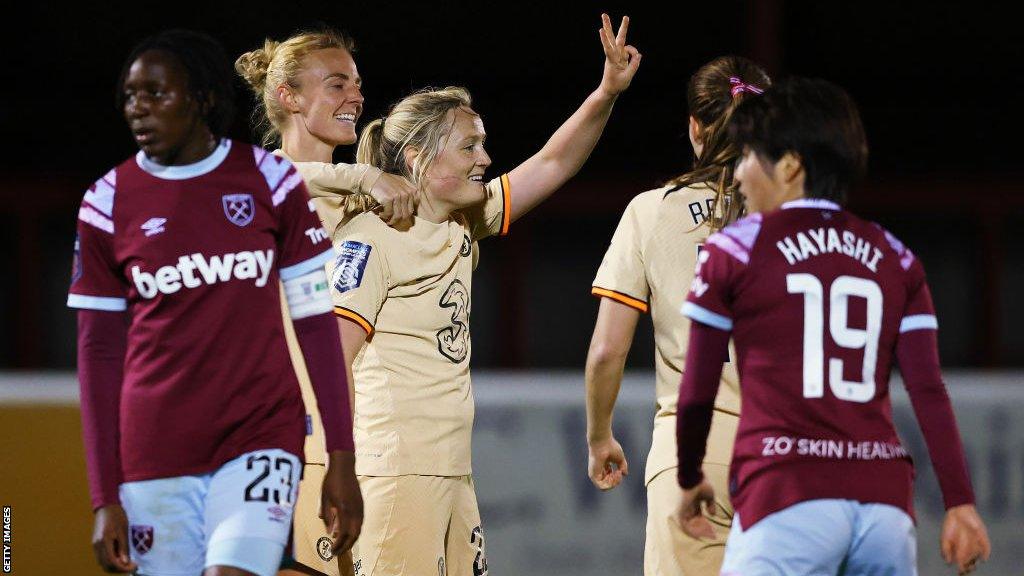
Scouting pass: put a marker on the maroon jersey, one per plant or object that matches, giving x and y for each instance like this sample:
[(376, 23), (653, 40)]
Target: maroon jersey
[(194, 254), (816, 299)]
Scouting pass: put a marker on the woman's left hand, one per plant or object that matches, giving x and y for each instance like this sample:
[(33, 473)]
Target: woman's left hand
[(621, 60)]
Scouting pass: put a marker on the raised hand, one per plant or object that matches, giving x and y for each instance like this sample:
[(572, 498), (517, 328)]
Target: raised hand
[(621, 60)]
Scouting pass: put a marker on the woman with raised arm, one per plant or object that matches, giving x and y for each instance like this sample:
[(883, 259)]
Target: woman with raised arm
[(403, 301)]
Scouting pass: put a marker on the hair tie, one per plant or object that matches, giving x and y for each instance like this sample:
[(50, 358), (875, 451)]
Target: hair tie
[(738, 86)]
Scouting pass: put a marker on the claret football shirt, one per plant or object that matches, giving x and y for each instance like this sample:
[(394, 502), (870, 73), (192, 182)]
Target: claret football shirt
[(816, 299), (193, 254)]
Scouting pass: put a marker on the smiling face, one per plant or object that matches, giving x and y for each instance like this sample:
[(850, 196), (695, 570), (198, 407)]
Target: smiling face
[(329, 98), (164, 118), (455, 179)]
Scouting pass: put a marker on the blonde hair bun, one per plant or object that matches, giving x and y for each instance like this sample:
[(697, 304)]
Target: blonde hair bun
[(277, 64)]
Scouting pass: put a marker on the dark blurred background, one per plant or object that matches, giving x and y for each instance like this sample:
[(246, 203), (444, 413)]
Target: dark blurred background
[(939, 88)]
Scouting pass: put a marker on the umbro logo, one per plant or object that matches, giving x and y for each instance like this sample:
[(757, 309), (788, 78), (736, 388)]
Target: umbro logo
[(154, 226)]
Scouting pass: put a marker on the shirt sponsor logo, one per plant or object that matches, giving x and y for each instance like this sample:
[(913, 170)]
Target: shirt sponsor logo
[(453, 341), (154, 226), (316, 235), (195, 270), (835, 449), (350, 265), (239, 208)]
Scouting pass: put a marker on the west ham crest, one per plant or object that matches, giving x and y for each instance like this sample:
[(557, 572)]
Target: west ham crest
[(239, 208), (142, 538)]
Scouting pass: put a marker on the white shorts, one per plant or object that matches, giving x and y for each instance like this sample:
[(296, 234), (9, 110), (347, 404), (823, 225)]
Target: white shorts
[(239, 515), (818, 537)]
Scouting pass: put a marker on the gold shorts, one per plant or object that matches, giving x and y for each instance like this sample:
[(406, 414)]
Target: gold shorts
[(311, 544), (419, 526), (667, 549)]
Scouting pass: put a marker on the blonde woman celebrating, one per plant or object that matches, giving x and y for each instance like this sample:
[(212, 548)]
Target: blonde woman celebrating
[(308, 99), (404, 299)]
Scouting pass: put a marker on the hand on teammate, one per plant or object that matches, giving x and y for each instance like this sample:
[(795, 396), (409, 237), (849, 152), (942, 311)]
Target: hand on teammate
[(607, 463), (110, 539), (621, 61), (964, 538), (690, 514), (341, 502), (397, 197)]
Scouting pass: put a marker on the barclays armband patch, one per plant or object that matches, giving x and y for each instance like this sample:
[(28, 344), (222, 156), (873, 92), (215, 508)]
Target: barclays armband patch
[(350, 265)]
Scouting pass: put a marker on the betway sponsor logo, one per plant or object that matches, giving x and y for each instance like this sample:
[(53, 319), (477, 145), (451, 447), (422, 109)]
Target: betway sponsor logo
[(195, 270)]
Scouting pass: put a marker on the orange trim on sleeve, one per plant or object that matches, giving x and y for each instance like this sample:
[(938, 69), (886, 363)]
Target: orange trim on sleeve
[(506, 206), (346, 313), (621, 298)]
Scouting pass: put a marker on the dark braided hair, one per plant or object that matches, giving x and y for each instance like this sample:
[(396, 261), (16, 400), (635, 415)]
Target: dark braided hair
[(207, 67)]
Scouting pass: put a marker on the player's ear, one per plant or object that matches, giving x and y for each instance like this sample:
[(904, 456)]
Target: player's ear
[(288, 98), (695, 138), (790, 169), (410, 155), (208, 105)]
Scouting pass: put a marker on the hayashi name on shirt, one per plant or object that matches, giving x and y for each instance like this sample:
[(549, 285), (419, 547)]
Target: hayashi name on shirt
[(821, 241), (837, 449)]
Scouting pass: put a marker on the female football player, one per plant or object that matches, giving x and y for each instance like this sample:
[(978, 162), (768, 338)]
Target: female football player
[(404, 301), (192, 417), (649, 267), (308, 100), (820, 303)]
